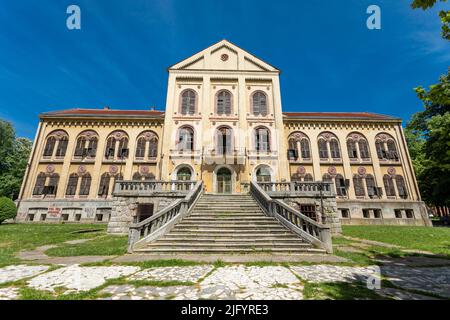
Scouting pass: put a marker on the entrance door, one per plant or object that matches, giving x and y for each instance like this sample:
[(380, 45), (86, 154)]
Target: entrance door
[(224, 181)]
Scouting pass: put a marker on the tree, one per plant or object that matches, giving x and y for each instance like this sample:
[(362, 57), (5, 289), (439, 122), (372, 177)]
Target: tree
[(14, 153), (444, 15), (428, 137), (8, 209)]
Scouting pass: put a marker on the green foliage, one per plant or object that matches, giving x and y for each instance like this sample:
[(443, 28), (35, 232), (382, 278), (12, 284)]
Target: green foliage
[(428, 137), (444, 15), (8, 209), (14, 153), (101, 246)]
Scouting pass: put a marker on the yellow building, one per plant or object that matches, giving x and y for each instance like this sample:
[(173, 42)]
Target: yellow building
[(223, 124)]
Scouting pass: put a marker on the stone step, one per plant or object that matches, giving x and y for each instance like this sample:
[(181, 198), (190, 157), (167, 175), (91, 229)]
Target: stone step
[(223, 225), (227, 217), (288, 250), (229, 245), (230, 234), (248, 241)]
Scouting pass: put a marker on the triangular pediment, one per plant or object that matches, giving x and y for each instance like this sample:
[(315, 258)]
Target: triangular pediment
[(226, 56)]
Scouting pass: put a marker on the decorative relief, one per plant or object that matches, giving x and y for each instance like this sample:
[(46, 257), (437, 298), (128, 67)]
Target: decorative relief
[(332, 171), (113, 170), (224, 57), (301, 170), (362, 171), (50, 168), (144, 169), (82, 169), (391, 171)]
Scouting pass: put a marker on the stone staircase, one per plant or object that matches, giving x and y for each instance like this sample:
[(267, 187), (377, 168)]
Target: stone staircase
[(228, 224)]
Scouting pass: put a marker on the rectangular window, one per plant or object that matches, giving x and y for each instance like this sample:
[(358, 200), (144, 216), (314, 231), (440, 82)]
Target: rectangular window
[(30, 217), (43, 217), (345, 213), (65, 217), (98, 217), (366, 213), (377, 214), (398, 213), (78, 217), (409, 213)]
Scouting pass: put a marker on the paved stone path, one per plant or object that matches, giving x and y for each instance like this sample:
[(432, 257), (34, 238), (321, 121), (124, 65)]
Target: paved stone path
[(185, 274), (434, 280), (76, 278), (10, 293), (329, 273), (228, 282), (18, 272)]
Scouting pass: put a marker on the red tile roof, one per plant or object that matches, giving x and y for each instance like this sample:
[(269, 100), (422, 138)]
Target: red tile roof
[(338, 115), (103, 112)]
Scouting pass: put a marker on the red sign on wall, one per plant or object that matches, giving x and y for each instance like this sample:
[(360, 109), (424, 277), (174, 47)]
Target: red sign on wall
[(53, 211)]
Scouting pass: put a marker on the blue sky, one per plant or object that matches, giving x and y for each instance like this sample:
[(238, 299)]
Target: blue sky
[(330, 60)]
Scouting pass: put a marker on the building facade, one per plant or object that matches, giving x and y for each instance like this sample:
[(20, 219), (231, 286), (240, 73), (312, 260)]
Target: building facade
[(223, 124)]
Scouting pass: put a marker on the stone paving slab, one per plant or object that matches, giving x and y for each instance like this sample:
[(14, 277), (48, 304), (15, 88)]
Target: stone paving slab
[(329, 273), (186, 274), (414, 261), (398, 294), (76, 278), (126, 292), (10, 293), (433, 280), (18, 272)]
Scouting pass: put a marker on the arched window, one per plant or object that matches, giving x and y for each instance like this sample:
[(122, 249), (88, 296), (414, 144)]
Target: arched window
[(327, 178), (305, 150), (49, 146), (137, 176), (323, 150), (149, 176), (392, 150), (341, 190), (92, 147), (85, 185), (153, 147), (262, 139), (371, 186), (363, 149), (389, 185), (86, 145), (72, 185), (123, 148), (381, 152), (296, 177), (351, 147), (401, 187), (224, 140), (79, 147), (308, 178), (185, 139), (334, 149), (188, 101), (386, 148), (103, 188), (223, 102), (62, 147), (263, 174), (110, 148), (53, 183), (184, 174), (359, 186), (140, 147), (40, 184), (259, 103)]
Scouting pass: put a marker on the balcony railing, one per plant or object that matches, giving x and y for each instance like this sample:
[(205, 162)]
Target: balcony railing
[(298, 188), (317, 234), (151, 187)]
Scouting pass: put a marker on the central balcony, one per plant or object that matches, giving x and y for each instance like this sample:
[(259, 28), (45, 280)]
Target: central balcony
[(138, 188), (301, 189)]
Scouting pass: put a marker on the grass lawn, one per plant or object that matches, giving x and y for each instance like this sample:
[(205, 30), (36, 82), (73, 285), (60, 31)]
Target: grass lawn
[(101, 246), (435, 240), (16, 237)]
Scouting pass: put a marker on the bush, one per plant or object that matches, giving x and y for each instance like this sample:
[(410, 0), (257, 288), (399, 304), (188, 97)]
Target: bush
[(8, 209)]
